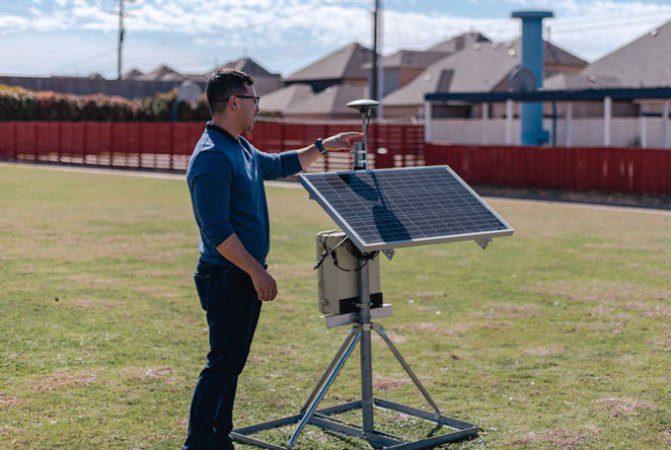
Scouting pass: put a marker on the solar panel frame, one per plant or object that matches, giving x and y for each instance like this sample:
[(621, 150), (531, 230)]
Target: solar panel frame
[(364, 246)]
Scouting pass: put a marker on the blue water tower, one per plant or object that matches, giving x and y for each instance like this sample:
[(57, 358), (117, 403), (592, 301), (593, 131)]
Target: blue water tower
[(533, 60)]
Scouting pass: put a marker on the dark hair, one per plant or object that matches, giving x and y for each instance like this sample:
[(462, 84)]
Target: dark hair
[(222, 84)]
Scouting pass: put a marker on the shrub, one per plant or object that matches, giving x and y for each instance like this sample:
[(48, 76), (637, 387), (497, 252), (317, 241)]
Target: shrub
[(21, 104)]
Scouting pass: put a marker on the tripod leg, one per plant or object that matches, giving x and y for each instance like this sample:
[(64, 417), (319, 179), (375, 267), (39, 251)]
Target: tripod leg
[(411, 374), (320, 395), (329, 369)]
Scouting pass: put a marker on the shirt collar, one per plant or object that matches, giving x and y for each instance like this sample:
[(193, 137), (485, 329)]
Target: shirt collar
[(211, 126)]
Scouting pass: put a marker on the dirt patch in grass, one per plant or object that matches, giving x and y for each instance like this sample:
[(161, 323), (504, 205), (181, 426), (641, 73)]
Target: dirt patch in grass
[(61, 379), (507, 311), (92, 280), (386, 384), (544, 351), (9, 430), (622, 407), (149, 373), (664, 342), (602, 292), (8, 401), (396, 338), (652, 310), (557, 438), (434, 328), (604, 311), (92, 303)]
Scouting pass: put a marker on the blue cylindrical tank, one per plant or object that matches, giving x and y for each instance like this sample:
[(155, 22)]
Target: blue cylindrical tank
[(532, 59)]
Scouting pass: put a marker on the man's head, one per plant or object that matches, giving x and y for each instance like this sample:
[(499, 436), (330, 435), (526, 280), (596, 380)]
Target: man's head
[(231, 94)]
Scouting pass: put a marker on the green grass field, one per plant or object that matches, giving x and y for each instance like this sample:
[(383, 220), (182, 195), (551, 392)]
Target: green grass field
[(557, 337)]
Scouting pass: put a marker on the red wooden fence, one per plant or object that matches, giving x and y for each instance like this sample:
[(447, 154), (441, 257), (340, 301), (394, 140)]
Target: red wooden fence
[(635, 170), (168, 145)]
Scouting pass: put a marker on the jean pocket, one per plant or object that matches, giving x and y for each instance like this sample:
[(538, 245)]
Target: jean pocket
[(202, 282)]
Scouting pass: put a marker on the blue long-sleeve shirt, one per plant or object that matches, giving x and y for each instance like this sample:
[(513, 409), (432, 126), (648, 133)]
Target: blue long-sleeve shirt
[(225, 177)]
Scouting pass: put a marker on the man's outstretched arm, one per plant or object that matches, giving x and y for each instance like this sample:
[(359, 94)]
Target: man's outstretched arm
[(342, 142), (233, 250)]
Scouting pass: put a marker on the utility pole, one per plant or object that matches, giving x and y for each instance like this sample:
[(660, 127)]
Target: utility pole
[(121, 35), (373, 75), (376, 75)]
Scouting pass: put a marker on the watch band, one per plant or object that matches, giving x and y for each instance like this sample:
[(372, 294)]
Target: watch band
[(320, 146)]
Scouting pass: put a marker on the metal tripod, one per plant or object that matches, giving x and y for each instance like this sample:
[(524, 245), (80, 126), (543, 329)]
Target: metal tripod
[(309, 414)]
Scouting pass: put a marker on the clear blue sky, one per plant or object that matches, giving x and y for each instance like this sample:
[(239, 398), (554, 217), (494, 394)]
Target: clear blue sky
[(41, 37)]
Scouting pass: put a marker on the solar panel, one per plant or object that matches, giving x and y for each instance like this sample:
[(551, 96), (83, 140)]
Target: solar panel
[(388, 208)]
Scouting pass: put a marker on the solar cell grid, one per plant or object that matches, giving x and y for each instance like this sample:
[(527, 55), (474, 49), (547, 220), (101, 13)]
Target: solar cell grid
[(396, 207)]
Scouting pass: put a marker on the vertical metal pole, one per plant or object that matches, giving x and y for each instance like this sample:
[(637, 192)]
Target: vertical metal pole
[(427, 121), (380, 67), (121, 36), (607, 115), (665, 125), (509, 122), (365, 349), (644, 132), (569, 124), (373, 75), (485, 120)]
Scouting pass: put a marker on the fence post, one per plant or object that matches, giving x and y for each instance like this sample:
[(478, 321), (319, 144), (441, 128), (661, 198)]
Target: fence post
[(665, 124), (509, 122), (569, 124), (607, 115), (172, 146), (485, 121), (427, 121)]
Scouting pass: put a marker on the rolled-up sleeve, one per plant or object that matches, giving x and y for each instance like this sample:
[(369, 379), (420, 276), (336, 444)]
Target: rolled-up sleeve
[(212, 195), (278, 165)]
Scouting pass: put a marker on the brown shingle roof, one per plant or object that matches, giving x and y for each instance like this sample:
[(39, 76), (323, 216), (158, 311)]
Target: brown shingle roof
[(480, 67), (342, 64), (459, 42), (641, 63), (409, 59), (332, 100), (249, 66), (283, 100)]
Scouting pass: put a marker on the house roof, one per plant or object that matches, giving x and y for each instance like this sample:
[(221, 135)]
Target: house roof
[(413, 59), (249, 66), (563, 81), (344, 63), (459, 42), (332, 100), (283, 100), (480, 67), (641, 63), (132, 74), (162, 73)]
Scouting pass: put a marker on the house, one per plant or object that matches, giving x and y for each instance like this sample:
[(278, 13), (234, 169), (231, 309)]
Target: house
[(479, 67), (322, 89), (403, 66), (135, 83), (343, 66)]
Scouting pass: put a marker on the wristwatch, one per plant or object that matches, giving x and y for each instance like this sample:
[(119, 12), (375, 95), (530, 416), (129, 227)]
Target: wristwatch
[(320, 146)]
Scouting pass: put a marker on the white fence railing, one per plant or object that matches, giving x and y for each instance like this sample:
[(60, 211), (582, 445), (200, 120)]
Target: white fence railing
[(584, 132)]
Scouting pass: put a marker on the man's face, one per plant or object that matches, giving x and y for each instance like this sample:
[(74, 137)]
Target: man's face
[(248, 109)]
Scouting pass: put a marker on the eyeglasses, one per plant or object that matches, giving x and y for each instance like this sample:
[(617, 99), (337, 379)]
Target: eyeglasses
[(256, 99)]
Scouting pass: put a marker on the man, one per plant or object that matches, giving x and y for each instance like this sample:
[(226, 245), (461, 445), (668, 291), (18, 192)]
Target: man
[(225, 178)]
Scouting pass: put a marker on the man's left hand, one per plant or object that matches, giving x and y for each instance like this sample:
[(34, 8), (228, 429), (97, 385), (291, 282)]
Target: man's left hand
[(342, 142)]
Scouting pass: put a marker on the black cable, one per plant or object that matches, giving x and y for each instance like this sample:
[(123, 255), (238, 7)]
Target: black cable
[(351, 248)]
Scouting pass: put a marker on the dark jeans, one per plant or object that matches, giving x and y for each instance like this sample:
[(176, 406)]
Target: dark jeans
[(233, 309)]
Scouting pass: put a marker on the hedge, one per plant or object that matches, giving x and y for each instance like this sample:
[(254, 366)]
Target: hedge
[(21, 104)]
